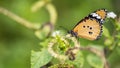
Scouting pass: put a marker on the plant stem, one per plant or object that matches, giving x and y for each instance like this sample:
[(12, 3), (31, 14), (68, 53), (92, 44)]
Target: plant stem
[(19, 20)]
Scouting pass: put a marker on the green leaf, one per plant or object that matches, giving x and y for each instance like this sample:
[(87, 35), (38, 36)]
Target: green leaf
[(117, 26), (40, 58), (118, 35), (118, 51), (108, 42), (106, 32), (94, 61), (45, 42)]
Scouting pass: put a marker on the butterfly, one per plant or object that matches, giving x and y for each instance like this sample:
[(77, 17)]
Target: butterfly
[(91, 26)]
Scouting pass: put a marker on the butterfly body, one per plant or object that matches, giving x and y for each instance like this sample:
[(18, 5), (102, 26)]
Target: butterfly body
[(91, 26)]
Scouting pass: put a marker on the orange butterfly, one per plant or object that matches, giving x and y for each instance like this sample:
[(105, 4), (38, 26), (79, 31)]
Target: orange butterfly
[(91, 26)]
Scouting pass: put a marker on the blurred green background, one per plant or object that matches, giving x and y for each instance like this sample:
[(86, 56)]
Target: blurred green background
[(17, 41)]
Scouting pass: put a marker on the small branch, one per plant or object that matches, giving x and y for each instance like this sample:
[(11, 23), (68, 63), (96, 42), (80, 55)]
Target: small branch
[(38, 5), (18, 19), (53, 13), (49, 7)]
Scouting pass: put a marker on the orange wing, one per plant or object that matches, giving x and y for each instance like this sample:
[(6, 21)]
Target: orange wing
[(88, 28), (102, 13)]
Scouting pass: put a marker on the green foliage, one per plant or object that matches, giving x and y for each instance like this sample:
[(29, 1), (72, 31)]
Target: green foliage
[(109, 39), (40, 58), (16, 41), (106, 32), (94, 61)]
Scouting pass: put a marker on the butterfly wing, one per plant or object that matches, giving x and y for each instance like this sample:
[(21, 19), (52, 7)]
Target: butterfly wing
[(102, 13), (88, 28)]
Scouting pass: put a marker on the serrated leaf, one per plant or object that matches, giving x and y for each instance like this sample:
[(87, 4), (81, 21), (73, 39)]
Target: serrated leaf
[(94, 61), (40, 58)]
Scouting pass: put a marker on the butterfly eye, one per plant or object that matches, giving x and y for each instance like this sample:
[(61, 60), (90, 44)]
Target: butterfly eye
[(90, 33)]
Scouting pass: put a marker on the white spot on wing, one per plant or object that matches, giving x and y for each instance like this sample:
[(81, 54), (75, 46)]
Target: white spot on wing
[(96, 15)]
